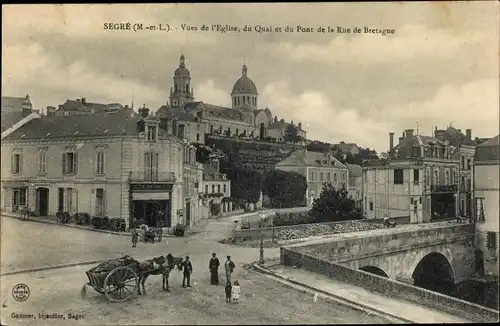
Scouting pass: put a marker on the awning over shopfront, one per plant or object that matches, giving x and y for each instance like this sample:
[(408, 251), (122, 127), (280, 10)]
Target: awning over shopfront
[(150, 195)]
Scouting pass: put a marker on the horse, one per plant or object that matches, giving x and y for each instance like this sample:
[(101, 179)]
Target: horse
[(156, 266)]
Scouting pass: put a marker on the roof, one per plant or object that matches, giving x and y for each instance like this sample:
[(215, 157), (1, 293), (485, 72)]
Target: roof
[(488, 151), (346, 146), (209, 169), (77, 126), (72, 105), (354, 170), (244, 84), (182, 71), (284, 125), (454, 136), (10, 103), (216, 111), (410, 146), (8, 119), (180, 114), (307, 158)]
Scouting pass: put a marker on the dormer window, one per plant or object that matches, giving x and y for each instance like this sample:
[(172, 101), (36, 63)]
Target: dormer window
[(152, 133)]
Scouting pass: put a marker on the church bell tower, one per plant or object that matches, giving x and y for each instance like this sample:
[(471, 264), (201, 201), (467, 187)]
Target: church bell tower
[(182, 93)]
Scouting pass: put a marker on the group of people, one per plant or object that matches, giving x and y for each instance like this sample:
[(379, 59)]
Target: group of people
[(232, 290)]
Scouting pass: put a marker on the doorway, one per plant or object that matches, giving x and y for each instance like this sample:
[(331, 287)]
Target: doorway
[(262, 130), (188, 214), (60, 206), (15, 200), (42, 201)]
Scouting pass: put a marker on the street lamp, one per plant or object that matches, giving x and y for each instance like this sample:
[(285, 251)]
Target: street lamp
[(262, 217)]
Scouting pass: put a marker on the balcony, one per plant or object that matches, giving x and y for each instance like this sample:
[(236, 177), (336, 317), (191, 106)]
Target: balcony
[(214, 177), (152, 176), (444, 188)]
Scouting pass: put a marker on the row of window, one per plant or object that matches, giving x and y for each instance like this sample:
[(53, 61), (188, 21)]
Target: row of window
[(465, 164), (245, 100), (328, 177), (399, 177), (186, 89), (218, 189)]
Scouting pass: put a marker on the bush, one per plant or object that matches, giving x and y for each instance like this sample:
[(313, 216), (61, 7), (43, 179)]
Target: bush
[(286, 219), (214, 209)]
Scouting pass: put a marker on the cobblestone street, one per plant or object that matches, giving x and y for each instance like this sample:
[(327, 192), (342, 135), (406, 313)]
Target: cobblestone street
[(263, 300)]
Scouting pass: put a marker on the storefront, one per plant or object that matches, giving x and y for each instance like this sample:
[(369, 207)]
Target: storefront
[(15, 196), (151, 204)]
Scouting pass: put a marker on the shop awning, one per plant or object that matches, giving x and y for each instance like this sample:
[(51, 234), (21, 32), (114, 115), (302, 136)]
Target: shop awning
[(150, 196)]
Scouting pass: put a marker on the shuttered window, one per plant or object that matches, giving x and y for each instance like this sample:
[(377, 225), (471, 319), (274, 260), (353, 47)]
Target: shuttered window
[(70, 163)]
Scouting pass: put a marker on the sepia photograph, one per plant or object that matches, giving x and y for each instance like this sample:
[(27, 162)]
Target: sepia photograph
[(250, 163)]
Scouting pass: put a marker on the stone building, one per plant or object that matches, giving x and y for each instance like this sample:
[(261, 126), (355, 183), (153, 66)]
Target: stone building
[(16, 111), (109, 164), (420, 180), (82, 106), (243, 119), (318, 168), (486, 196), (466, 147), (355, 184), (216, 187)]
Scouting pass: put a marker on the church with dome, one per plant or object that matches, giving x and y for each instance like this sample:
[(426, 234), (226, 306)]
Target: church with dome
[(243, 119)]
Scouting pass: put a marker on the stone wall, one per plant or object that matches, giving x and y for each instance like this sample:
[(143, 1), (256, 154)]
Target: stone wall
[(361, 247), (389, 287), (267, 232)]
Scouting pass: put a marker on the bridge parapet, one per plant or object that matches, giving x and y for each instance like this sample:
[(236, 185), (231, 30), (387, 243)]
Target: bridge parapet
[(392, 240)]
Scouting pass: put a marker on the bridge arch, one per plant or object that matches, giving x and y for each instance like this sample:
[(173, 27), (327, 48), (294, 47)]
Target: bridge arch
[(434, 272), (374, 270)]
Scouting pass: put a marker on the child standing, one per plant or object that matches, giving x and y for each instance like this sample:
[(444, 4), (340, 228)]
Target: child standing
[(228, 292), (135, 236), (236, 291)]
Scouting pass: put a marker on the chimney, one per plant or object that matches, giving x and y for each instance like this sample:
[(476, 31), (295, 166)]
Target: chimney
[(391, 141), (84, 100), (409, 132), (282, 121), (144, 112), (50, 111), (215, 164), (468, 133), (300, 125), (140, 126)]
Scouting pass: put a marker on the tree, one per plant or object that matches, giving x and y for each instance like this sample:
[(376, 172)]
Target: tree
[(291, 134), (245, 183), (334, 205), (285, 189), (202, 153)]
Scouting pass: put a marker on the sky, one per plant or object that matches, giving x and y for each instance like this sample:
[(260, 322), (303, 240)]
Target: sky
[(440, 67)]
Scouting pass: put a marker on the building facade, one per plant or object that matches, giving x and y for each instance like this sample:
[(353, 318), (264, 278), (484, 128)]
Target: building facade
[(108, 164), (243, 119), (318, 168), (216, 188), (466, 148), (486, 197), (420, 176), (355, 184)]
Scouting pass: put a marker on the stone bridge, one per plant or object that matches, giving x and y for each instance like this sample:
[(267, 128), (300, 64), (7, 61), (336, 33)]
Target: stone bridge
[(429, 255)]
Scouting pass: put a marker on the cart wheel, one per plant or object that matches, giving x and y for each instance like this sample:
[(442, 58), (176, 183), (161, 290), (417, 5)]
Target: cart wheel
[(120, 284)]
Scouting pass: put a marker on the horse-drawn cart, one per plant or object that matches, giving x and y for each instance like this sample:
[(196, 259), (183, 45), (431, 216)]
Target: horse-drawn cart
[(117, 279)]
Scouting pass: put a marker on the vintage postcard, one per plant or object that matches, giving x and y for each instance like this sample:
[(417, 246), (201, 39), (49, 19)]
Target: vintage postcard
[(253, 163)]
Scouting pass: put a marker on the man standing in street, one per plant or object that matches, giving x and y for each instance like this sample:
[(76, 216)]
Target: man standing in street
[(229, 267), (188, 269), (214, 270)]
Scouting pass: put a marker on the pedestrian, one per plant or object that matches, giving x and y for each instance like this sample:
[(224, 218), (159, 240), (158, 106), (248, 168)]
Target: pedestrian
[(188, 270), (135, 236), (214, 269), (229, 267), (228, 289), (235, 291)]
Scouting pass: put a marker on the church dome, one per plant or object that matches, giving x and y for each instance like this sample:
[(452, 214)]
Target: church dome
[(244, 84), (182, 71)]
